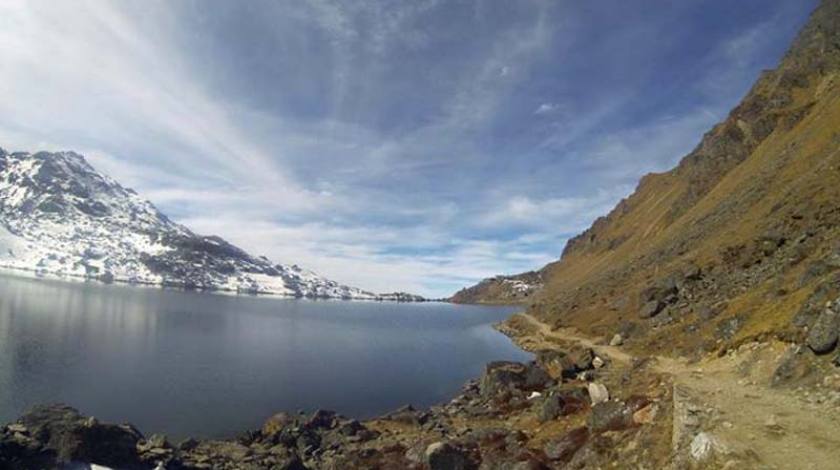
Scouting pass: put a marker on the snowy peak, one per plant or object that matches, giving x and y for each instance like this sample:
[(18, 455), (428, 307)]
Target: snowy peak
[(59, 216)]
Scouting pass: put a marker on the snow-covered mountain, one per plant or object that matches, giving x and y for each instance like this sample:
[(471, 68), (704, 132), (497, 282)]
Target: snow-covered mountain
[(60, 216)]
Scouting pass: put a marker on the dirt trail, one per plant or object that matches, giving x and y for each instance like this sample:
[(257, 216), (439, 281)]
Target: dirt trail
[(768, 428)]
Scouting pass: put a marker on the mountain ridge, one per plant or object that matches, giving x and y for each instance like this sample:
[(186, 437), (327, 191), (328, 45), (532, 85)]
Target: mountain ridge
[(61, 217), (740, 234)]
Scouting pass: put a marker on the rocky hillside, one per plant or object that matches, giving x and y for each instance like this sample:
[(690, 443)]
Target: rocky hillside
[(740, 240), (60, 216), (499, 290)]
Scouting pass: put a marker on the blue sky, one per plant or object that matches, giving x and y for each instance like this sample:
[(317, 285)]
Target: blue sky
[(392, 145)]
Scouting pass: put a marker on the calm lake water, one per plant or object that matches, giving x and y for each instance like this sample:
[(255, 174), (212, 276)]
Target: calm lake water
[(205, 365)]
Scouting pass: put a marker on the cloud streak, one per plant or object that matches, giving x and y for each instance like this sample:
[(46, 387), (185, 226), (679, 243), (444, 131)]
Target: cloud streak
[(415, 146)]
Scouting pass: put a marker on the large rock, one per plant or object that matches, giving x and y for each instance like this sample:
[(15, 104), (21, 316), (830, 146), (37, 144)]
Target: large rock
[(445, 456), (704, 446), (610, 416), (793, 366), (560, 404), (598, 393), (651, 309), (71, 437), (822, 338), (556, 363), (563, 448), (277, 424), (503, 376)]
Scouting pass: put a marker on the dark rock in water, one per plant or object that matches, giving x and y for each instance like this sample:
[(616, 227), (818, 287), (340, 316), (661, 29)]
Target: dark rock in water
[(445, 456), (823, 336), (70, 437), (562, 449)]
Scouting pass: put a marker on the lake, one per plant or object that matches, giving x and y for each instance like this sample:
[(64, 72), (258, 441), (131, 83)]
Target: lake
[(210, 365)]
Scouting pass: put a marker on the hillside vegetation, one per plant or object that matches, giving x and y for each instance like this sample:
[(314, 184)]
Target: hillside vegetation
[(740, 240)]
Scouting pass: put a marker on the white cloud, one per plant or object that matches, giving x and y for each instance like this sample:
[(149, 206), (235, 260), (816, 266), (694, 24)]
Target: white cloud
[(552, 215), (547, 108)]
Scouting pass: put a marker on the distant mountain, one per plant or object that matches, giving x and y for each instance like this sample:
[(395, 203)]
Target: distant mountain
[(516, 289), (59, 216)]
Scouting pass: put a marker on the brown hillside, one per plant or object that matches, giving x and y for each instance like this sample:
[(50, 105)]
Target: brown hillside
[(732, 242), (502, 290)]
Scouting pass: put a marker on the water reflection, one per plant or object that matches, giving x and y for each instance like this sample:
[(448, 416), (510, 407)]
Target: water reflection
[(211, 365)]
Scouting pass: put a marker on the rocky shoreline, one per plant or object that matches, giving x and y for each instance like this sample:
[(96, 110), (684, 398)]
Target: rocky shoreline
[(556, 411), (581, 403)]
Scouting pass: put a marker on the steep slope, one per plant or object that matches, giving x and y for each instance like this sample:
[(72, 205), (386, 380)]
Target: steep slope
[(60, 216), (499, 290), (737, 239)]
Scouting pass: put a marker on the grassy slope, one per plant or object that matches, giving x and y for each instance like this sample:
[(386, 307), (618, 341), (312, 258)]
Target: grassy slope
[(772, 168)]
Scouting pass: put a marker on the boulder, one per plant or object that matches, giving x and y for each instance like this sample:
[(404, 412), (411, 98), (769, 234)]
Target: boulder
[(536, 378), (551, 408), (662, 291), (445, 456), (557, 364), (406, 415), (72, 437), (583, 359), (560, 404), (616, 340), (501, 376), (822, 338), (793, 366), (597, 393), (505, 376), (651, 309), (563, 448), (610, 416), (704, 446), (322, 419), (645, 415), (277, 423)]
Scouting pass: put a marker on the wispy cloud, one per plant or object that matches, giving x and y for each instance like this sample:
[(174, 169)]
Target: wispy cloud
[(412, 146)]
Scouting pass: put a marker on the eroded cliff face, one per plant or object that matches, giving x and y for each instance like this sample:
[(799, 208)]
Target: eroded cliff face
[(741, 233)]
